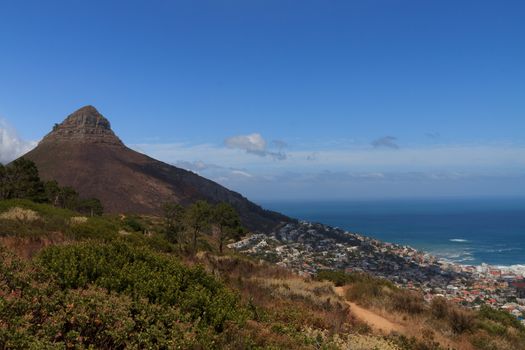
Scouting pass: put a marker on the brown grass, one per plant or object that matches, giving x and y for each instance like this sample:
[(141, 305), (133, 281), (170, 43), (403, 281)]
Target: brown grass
[(78, 220), (27, 247), (20, 214)]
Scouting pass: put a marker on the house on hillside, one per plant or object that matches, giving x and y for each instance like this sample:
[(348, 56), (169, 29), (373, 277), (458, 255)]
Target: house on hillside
[(520, 288)]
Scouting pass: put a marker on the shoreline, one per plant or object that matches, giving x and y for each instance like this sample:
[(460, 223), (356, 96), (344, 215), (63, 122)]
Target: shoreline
[(516, 267), (517, 270), (307, 248)]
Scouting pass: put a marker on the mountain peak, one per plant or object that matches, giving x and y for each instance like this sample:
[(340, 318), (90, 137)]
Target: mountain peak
[(85, 125)]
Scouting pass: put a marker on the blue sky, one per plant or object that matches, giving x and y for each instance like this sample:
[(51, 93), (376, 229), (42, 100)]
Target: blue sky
[(283, 99)]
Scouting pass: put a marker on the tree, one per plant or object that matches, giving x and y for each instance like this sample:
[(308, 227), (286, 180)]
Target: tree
[(197, 219), (3, 182), (68, 198), (227, 222), (21, 180), (52, 190), (90, 206), (173, 221)]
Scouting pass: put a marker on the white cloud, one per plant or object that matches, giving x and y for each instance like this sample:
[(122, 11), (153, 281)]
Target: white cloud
[(11, 146), (241, 173), (253, 143), (256, 144)]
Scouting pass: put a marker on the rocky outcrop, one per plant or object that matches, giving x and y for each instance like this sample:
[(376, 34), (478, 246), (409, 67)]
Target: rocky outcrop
[(84, 125)]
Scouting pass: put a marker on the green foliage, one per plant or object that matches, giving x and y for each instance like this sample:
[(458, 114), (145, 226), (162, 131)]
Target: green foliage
[(96, 228), (20, 179), (200, 218), (68, 198), (45, 210), (338, 277), (53, 192), (228, 223), (173, 222), (140, 273), (197, 218), (4, 183), (90, 206), (62, 197), (36, 314), (52, 220), (501, 317), (134, 224), (114, 289)]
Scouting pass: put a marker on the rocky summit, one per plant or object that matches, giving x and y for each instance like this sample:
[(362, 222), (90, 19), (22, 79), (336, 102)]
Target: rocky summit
[(83, 152), (84, 125)]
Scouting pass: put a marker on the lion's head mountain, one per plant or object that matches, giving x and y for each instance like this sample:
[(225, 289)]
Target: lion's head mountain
[(83, 152)]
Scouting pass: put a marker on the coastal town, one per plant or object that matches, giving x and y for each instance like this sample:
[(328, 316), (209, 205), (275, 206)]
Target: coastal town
[(307, 248)]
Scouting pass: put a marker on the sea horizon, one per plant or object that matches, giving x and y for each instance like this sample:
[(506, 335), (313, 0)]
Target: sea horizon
[(462, 230)]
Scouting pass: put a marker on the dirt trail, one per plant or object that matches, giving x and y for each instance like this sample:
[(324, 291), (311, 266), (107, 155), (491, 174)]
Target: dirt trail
[(377, 322)]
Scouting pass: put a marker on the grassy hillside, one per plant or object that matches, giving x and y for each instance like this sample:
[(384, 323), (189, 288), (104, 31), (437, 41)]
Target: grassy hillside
[(438, 323), (69, 281), (115, 282)]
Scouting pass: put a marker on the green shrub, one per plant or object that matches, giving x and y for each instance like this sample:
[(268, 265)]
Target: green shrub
[(94, 228), (133, 224), (155, 302), (338, 277), (140, 273), (36, 314), (502, 317), (51, 221)]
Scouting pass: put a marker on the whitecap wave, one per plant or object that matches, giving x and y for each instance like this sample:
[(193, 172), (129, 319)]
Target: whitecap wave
[(459, 240)]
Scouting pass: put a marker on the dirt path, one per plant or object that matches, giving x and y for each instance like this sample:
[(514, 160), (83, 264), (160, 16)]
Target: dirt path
[(377, 322)]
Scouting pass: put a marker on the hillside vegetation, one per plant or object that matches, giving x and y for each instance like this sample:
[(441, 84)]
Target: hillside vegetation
[(68, 281), (438, 323), (72, 279)]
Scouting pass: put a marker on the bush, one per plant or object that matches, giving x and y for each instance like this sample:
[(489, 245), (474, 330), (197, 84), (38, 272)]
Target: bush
[(94, 228), (338, 277), (408, 301), (36, 314), (502, 317), (461, 320), (439, 308), (140, 273), (133, 224)]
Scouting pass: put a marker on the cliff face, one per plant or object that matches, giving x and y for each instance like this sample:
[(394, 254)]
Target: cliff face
[(83, 152)]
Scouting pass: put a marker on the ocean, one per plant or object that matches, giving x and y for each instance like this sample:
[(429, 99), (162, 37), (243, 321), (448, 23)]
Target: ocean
[(465, 231)]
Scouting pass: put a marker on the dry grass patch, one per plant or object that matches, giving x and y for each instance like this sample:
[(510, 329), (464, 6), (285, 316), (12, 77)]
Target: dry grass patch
[(78, 220), (20, 214), (364, 342), (351, 341), (27, 247), (318, 293)]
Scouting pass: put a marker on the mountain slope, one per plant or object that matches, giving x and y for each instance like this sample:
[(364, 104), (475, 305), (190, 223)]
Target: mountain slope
[(83, 152)]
